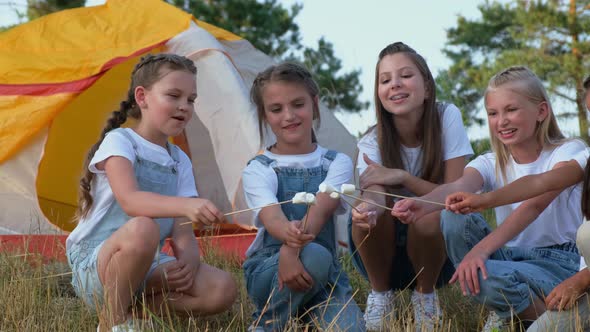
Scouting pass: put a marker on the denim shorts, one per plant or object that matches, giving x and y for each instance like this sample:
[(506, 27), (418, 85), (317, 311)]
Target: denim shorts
[(83, 260)]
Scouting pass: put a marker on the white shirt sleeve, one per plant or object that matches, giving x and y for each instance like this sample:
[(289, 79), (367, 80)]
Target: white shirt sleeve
[(260, 186), (368, 145), (186, 177), (114, 144), (582, 158), (485, 165), (568, 151), (455, 140), (339, 173)]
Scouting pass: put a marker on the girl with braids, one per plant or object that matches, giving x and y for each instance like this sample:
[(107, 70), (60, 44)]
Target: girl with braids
[(292, 269), (136, 191), (512, 269), (417, 144)]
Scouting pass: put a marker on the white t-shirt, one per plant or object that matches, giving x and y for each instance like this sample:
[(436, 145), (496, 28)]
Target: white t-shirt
[(117, 144), (455, 144), (560, 220), (261, 184)]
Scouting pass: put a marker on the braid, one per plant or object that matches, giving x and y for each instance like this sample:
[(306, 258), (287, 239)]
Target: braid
[(117, 118)]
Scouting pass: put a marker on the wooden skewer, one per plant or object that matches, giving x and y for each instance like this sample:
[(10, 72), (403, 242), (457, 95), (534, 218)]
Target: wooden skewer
[(245, 210), (351, 205), (368, 202), (401, 196)]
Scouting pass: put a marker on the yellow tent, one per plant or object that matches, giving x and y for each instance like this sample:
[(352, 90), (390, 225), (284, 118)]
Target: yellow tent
[(63, 74)]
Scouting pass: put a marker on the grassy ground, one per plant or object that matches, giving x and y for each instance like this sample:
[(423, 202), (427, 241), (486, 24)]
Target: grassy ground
[(37, 296)]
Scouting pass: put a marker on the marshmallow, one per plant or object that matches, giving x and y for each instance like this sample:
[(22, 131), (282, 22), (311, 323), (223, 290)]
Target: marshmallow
[(326, 188), (334, 195), (300, 198), (310, 198), (348, 189), (583, 240)]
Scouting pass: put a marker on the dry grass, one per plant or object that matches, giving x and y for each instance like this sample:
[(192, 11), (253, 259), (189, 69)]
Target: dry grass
[(32, 301)]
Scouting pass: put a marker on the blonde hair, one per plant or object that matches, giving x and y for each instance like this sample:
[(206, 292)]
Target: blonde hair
[(547, 132)]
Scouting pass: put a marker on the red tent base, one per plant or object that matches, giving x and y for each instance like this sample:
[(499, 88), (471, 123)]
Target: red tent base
[(53, 247)]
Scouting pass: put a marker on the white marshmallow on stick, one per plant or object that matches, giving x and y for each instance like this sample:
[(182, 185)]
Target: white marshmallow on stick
[(334, 195), (347, 189), (300, 198), (326, 188), (309, 198)]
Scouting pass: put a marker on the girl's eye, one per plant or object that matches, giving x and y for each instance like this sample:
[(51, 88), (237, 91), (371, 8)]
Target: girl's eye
[(407, 76), (385, 81), (512, 109), (275, 110), (491, 113), (191, 101), (299, 105), (173, 95)]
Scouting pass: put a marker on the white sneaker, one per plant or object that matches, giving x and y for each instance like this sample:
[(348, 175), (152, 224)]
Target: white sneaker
[(123, 327), (427, 312), (493, 323), (379, 306)]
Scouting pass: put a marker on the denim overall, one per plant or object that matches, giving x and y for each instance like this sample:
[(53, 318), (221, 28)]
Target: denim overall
[(83, 256), (514, 273), (330, 298)]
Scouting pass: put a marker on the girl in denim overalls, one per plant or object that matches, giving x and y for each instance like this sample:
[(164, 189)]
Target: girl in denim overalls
[(136, 191), (512, 268), (292, 270)]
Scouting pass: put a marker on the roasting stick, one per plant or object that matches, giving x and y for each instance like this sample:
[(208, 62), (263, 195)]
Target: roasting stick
[(246, 210), (350, 187)]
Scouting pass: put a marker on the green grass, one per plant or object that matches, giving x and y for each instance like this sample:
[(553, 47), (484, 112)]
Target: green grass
[(37, 296)]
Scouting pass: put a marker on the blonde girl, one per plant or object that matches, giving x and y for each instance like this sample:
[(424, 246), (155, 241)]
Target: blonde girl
[(512, 268)]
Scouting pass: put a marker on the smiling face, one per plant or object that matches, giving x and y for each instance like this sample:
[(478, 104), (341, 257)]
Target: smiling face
[(288, 110), (513, 118), (401, 87), (166, 106)]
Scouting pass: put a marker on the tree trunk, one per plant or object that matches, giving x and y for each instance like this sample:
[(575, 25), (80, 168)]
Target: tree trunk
[(580, 93)]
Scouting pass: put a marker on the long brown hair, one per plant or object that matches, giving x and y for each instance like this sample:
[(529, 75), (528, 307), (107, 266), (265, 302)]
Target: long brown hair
[(147, 72), (530, 87), (284, 72), (429, 127)]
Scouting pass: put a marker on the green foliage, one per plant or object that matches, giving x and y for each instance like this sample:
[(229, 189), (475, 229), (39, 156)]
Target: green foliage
[(271, 28), (550, 37), (38, 8)]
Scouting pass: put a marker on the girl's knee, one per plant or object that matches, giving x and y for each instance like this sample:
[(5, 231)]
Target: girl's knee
[(452, 224), (224, 294), (145, 235), (317, 261)]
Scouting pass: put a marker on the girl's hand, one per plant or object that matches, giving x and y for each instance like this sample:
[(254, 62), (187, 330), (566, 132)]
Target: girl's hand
[(565, 294), (407, 210), (291, 271), (466, 272), (294, 236), (366, 216), (464, 203), (181, 274), (203, 211), (377, 174)]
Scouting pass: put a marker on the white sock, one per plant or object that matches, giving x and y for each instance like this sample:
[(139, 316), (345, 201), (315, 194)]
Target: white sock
[(426, 296), (384, 293)]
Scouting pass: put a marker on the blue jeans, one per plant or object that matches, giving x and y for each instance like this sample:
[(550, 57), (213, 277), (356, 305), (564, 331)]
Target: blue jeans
[(329, 300), (515, 274)]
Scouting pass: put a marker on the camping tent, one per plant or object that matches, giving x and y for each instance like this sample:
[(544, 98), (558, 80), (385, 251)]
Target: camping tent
[(63, 74)]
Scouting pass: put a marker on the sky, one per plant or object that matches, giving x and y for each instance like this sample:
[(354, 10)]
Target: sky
[(358, 30)]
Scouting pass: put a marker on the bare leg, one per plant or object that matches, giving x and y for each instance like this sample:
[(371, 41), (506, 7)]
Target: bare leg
[(377, 251), (213, 291), (426, 249), (533, 311), (123, 262)]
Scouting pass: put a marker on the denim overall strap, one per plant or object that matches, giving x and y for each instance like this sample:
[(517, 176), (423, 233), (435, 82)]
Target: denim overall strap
[(150, 177), (294, 180)]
